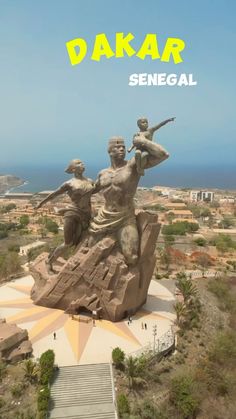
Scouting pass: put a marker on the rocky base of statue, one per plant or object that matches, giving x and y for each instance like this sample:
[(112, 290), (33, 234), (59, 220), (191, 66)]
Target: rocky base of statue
[(14, 342), (97, 280)]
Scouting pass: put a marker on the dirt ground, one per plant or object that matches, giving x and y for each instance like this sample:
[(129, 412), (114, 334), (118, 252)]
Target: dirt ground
[(17, 394), (190, 351)]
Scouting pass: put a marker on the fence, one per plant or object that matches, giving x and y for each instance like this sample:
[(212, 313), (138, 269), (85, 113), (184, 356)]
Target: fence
[(161, 345)]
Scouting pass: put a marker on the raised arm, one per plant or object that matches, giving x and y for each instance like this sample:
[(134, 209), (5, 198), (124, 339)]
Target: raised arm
[(98, 185), (156, 127), (156, 152), (62, 189)]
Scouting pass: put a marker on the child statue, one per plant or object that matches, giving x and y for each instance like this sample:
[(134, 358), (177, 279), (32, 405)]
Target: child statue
[(146, 133)]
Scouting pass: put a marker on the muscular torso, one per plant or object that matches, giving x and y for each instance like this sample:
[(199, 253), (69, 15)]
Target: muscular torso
[(79, 191), (119, 186)]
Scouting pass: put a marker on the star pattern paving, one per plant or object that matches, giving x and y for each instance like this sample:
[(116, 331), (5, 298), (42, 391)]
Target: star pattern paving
[(42, 322)]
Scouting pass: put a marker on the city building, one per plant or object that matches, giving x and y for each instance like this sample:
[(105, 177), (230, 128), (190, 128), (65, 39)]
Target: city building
[(175, 205), (181, 214), (196, 196), (227, 200)]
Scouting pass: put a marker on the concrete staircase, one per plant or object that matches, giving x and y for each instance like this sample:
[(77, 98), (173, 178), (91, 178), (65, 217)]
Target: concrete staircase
[(83, 392)]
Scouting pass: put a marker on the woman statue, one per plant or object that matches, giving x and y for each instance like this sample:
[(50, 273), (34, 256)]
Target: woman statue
[(76, 216)]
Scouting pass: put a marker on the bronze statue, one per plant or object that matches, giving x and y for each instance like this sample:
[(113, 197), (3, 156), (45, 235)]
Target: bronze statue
[(140, 154), (77, 215), (118, 184), (112, 267)]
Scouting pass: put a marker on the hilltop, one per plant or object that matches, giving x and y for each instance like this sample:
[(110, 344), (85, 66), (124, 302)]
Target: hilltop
[(9, 181)]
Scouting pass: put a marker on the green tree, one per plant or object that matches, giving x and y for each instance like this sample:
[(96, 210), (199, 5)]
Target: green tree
[(118, 357), (46, 363), (205, 212), (170, 217), (8, 208), (169, 240), (200, 241), (24, 220), (51, 226), (131, 369), (223, 243), (31, 370), (187, 289), (180, 311), (165, 258), (226, 223), (123, 404), (180, 228)]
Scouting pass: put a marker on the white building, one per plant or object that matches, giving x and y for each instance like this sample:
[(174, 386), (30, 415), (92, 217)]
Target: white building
[(201, 196), (227, 200), (195, 196)]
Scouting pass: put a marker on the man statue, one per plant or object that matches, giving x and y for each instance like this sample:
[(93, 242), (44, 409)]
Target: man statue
[(118, 184)]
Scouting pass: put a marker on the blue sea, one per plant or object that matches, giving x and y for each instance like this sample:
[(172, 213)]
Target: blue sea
[(41, 178)]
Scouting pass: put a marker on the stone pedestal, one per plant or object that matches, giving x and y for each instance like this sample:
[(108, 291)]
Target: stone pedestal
[(14, 342), (97, 279)]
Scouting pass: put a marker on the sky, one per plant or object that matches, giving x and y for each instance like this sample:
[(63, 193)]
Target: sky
[(52, 112)]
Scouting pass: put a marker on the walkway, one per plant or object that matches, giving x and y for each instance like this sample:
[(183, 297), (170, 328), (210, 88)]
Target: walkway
[(83, 392)]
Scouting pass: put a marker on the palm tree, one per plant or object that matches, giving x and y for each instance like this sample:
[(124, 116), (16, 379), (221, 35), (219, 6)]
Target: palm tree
[(181, 275), (180, 310), (31, 370), (131, 369), (187, 289)]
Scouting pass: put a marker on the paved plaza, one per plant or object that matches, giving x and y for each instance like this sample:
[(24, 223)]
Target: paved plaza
[(80, 340)]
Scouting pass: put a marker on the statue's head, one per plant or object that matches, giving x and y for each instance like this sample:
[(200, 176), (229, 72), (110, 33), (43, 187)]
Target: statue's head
[(116, 147), (75, 165), (142, 124)]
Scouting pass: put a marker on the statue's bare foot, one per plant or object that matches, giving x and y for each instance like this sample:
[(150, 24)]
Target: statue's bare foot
[(49, 267)]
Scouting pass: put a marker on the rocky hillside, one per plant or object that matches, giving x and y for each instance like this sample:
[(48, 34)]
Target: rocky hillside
[(9, 181)]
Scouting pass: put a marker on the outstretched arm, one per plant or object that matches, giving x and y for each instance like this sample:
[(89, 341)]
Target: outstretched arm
[(156, 153), (156, 127), (63, 188)]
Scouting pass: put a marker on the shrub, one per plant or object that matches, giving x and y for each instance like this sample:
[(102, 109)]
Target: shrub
[(123, 404), (17, 390), (9, 264), (46, 364), (2, 402), (24, 220), (180, 228), (2, 370), (223, 349), (14, 248), (43, 399), (183, 395), (200, 241), (221, 289), (118, 357)]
